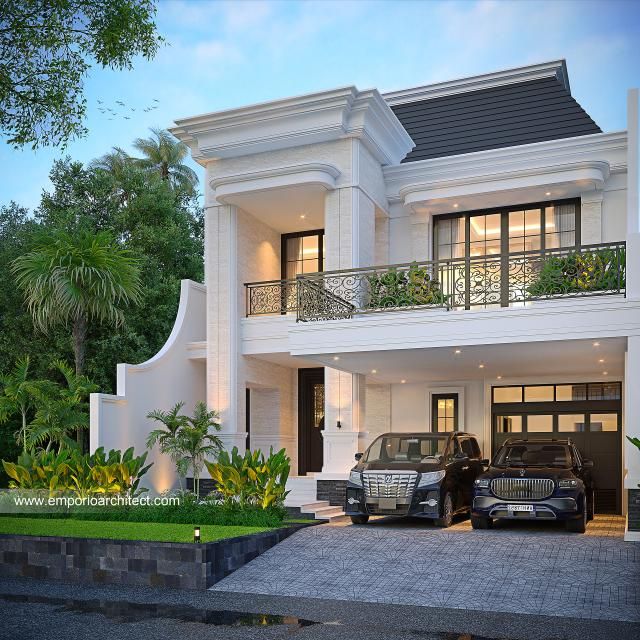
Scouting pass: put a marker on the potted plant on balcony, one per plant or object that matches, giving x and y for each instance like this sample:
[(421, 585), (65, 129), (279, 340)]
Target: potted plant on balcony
[(412, 287)]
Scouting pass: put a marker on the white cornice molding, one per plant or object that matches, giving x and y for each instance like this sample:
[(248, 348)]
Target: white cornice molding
[(554, 69), (302, 120), (313, 173), (539, 158)]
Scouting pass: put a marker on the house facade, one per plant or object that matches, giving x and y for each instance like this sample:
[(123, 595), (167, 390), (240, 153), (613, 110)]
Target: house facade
[(462, 255)]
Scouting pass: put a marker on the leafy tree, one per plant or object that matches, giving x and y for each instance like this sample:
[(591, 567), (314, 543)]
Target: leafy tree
[(164, 155), (46, 51), (76, 280), (17, 397)]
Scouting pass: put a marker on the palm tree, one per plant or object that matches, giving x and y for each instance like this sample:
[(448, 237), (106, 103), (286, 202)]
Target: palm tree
[(167, 437), (164, 155), (76, 279), (60, 409), (17, 396), (115, 162)]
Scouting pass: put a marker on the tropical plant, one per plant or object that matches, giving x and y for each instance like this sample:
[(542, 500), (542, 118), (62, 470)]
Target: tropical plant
[(251, 479), (404, 288), (186, 439), (60, 409), (164, 155), (575, 273), (83, 475), (17, 397), (77, 278), (167, 437)]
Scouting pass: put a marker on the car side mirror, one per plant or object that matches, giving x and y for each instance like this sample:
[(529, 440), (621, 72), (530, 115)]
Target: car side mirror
[(358, 456), (485, 462), (587, 464)]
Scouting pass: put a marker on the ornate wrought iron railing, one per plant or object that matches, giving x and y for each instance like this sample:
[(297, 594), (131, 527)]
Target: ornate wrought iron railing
[(461, 283)]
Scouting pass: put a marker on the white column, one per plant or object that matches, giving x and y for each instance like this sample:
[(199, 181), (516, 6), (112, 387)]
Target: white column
[(633, 196), (632, 412), (591, 217), (222, 322), (421, 243)]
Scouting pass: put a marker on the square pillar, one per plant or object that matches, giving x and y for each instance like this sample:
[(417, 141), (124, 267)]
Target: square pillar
[(633, 194)]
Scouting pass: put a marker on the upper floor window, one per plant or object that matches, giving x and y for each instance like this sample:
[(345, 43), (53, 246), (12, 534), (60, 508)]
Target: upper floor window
[(508, 230), (302, 252)]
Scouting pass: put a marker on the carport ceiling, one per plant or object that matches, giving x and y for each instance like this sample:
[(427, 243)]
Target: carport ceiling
[(562, 358)]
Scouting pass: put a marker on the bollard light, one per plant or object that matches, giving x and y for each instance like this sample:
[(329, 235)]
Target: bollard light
[(196, 534)]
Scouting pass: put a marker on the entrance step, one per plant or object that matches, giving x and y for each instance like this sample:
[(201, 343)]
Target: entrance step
[(322, 510)]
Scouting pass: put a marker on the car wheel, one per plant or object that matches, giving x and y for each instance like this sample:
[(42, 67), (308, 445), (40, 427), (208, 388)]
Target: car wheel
[(480, 522), (447, 512), (363, 519), (591, 507), (579, 525)]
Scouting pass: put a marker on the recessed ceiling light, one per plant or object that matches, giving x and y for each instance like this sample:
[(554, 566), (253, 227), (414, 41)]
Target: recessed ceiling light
[(302, 216), (596, 344), (548, 193), (458, 351), (402, 381), (336, 357), (601, 360), (481, 366), (455, 205), (498, 377), (605, 373), (374, 371)]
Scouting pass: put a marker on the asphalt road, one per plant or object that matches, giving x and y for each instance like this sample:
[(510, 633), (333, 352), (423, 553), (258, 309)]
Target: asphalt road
[(32, 609)]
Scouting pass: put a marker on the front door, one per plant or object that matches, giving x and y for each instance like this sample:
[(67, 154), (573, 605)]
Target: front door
[(310, 419)]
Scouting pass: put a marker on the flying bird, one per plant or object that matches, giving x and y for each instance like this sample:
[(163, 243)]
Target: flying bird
[(120, 103), (156, 100), (127, 118)]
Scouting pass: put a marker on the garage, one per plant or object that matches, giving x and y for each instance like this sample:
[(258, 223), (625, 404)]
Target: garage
[(590, 413)]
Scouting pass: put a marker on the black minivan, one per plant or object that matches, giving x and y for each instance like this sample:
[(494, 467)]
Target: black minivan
[(427, 475)]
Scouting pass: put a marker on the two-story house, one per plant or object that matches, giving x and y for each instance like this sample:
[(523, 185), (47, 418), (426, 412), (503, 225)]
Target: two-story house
[(462, 255)]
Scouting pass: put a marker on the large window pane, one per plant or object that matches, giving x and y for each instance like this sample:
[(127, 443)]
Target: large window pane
[(560, 226), (571, 423), (509, 424), (571, 392), (538, 394), (604, 422), (507, 394), (539, 424)]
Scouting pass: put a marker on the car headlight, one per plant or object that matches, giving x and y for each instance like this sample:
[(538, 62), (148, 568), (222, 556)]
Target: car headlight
[(432, 477), (567, 484), (482, 483), (356, 478)]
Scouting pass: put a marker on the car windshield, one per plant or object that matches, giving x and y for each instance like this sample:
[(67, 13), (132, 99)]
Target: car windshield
[(427, 448), (533, 455)]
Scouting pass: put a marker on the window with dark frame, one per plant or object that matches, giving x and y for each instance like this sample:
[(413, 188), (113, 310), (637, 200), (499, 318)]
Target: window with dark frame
[(444, 412), (302, 252)]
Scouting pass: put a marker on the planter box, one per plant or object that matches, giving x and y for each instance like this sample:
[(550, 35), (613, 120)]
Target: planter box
[(133, 562)]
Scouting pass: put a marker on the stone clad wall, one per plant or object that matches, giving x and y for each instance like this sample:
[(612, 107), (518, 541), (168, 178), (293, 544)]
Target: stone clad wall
[(634, 510), (133, 562)]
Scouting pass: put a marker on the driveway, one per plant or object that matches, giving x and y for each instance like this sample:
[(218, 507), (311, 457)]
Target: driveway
[(519, 568)]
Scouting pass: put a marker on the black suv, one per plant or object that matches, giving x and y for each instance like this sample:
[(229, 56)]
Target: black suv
[(535, 480), (429, 475)]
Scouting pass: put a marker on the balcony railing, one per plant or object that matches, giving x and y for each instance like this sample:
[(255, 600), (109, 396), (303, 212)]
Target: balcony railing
[(460, 283)]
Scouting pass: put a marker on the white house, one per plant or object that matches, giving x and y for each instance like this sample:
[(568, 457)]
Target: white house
[(513, 307)]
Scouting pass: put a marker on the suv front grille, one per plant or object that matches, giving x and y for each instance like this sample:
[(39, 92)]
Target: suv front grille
[(522, 488), (388, 485)]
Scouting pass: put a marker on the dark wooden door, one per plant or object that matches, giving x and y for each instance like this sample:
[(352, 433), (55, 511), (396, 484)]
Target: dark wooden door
[(310, 419)]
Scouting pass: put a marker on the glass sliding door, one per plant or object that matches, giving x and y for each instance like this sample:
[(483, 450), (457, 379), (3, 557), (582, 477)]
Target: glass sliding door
[(487, 252)]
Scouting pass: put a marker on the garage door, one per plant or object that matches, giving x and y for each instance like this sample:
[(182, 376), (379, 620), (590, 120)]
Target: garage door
[(588, 413)]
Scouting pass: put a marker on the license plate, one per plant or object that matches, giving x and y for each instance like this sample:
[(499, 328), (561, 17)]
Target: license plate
[(520, 507), (387, 503)]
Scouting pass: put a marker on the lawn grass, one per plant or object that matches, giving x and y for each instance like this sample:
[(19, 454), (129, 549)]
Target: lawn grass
[(156, 531)]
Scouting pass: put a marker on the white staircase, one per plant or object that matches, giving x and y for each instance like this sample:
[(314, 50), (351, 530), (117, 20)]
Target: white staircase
[(322, 510)]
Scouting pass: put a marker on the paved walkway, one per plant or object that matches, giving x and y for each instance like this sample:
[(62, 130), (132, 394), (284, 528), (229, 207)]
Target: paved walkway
[(519, 568)]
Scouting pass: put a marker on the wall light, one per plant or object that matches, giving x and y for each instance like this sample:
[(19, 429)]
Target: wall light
[(196, 535)]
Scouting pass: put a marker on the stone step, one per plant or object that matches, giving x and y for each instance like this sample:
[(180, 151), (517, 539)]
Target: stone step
[(311, 507)]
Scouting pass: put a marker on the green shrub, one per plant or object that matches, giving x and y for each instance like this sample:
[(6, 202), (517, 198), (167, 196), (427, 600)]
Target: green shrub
[(80, 474), (252, 479), (599, 270), (404, 288)]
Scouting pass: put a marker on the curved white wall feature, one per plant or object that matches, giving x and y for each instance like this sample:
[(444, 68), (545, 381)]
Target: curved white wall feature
[(176, 373), (313, 173)]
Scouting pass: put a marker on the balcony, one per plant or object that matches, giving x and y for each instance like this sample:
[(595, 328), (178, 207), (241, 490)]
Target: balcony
[(461, 283)]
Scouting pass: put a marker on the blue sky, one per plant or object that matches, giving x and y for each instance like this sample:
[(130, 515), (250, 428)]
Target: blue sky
[(227, 54)]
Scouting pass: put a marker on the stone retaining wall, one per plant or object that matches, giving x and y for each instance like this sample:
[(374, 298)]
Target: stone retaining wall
[(133, 562), (334, 491), (634, 510)]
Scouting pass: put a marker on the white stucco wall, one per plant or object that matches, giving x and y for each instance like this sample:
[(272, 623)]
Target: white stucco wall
[(175, 374)]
